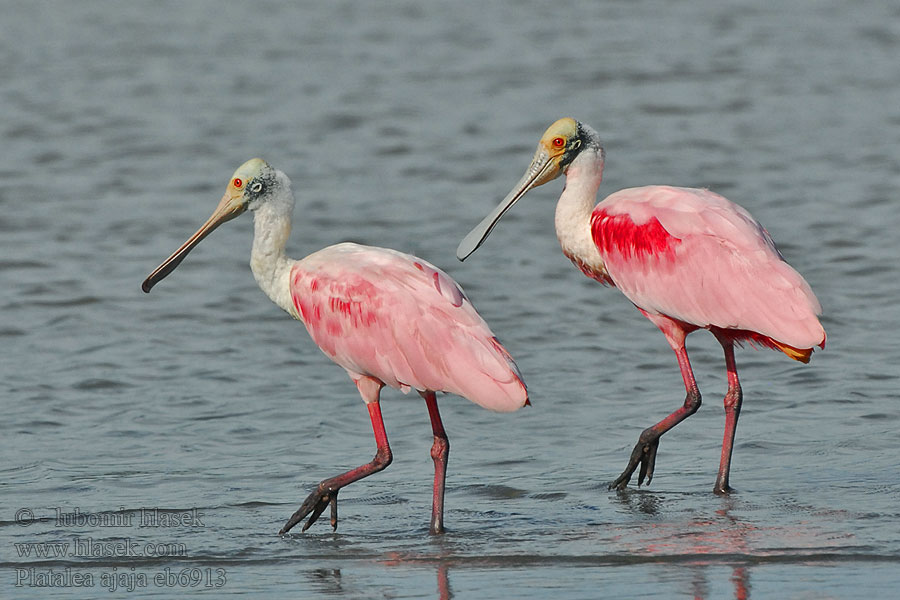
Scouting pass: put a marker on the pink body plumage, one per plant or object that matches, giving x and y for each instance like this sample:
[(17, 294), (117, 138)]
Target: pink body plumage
[(394, 317), (695, 257)]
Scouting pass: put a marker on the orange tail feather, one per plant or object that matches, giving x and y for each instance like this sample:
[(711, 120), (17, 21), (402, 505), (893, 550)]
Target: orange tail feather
[(795, 353)]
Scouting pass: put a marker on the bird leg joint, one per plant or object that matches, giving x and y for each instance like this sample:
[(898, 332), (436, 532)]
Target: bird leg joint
[(382, 458), (692, 401), (733, 399), (440, 448)]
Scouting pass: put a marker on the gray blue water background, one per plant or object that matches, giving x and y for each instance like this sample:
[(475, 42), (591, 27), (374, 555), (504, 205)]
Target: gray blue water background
[(401, 125)]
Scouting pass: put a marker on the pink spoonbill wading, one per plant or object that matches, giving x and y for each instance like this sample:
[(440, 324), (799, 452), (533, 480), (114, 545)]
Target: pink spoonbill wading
[(386, 317), (687, 258)]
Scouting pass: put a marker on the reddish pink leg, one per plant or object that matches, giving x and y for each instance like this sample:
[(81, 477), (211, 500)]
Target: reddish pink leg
[(732, 402), (644, 453), (326, 492), (440, 450)]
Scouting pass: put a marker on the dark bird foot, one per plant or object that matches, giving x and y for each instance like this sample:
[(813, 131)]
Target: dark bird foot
[(315, 505), (644, 454), (722, 489)]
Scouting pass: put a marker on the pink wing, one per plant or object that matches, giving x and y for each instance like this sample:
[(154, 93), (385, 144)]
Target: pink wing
[(392, 316), (694, 256)]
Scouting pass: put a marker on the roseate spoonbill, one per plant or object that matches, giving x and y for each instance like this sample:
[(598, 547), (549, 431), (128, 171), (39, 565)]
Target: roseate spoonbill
[(687, 258), (388, 318)]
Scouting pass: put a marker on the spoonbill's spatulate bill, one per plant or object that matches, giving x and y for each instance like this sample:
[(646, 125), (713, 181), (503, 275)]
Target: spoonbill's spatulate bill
[(388, 318), (687, 258)]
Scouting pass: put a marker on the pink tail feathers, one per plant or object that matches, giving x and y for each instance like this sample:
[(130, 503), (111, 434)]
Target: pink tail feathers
[(490, 378)]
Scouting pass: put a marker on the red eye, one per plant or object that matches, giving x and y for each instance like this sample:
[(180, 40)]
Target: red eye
[(237, 183), (559, 142)]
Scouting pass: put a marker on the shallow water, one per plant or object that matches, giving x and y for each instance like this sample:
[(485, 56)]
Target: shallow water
[(402, 125)]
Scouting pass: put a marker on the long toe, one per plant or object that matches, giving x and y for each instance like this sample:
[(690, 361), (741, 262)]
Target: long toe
[(330, 498), (314, 505), (334, 519), (295, 518), (643, 455), (648, 462), (622, 480), (317, 510)]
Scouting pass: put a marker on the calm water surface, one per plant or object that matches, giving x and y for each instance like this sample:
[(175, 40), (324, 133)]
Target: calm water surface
[(402, 124)]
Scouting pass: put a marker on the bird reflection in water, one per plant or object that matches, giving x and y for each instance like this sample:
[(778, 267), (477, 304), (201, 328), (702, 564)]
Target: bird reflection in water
[(442, 570), (701, 543)]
